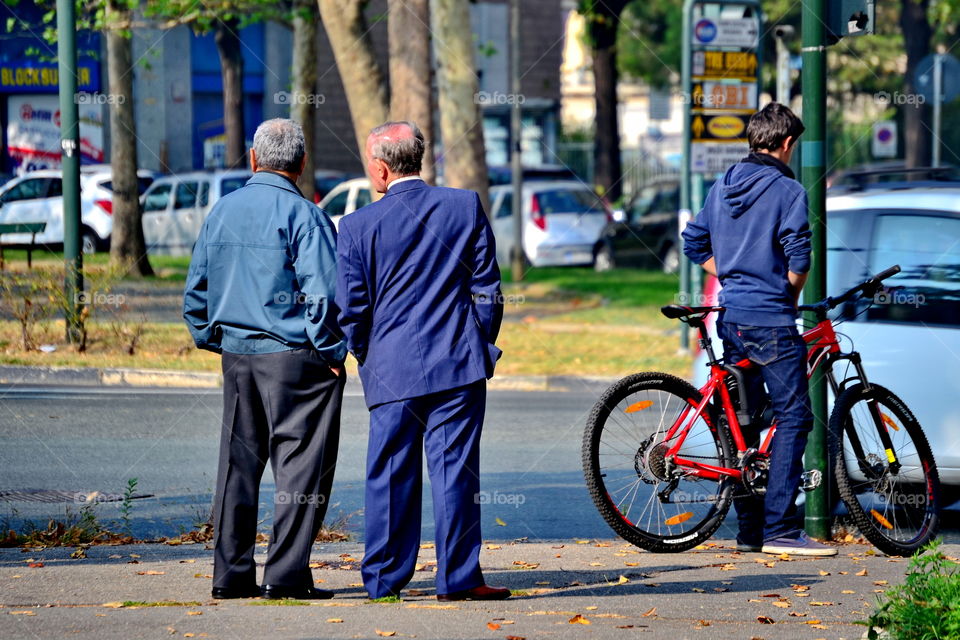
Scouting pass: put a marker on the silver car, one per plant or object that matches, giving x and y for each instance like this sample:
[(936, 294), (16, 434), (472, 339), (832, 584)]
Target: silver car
[(174, 207), (562, 221)]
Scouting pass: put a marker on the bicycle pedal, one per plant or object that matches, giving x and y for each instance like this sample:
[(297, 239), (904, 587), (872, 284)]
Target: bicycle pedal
[(810, 480)]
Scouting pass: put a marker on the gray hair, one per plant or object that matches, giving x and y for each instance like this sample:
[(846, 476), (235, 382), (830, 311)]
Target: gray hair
[(279, 145), (403, 156)]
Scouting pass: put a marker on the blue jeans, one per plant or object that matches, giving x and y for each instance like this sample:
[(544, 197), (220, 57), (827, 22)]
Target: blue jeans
[(780, 354)]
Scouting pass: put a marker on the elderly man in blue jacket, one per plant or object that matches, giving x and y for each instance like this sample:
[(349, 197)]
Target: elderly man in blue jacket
[(419, 293), (260, 291)]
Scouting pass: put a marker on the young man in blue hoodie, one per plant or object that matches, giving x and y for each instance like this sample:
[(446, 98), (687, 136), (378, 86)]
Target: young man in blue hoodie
[(754, 236)]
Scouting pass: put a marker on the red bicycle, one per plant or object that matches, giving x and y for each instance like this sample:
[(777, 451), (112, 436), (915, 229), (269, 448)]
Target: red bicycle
[(664, 460)]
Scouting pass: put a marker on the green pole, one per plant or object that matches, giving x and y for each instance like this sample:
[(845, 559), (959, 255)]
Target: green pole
[(812, 169), (685, 208), (70, 146)]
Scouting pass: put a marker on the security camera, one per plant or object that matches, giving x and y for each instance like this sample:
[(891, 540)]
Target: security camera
[(784, 31)]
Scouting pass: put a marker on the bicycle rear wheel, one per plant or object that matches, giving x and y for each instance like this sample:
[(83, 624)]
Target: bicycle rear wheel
[(898, 510), (626, 469)]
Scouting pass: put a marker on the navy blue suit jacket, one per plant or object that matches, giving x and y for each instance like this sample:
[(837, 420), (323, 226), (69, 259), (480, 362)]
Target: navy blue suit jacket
[(418, 289)]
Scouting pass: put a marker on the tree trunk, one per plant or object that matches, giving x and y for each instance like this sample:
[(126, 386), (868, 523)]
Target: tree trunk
[(227, 37), (363, 81), (127, 246), (606, 143), (461, 125), (410, 91), (304, 108), (916, 35)]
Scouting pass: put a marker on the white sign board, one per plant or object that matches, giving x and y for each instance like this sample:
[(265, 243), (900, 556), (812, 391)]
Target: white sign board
[(884, 139), (727, 32), (33, 132), (716, 157)]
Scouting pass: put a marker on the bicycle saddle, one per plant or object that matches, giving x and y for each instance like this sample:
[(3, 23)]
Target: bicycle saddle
[(676, 311)]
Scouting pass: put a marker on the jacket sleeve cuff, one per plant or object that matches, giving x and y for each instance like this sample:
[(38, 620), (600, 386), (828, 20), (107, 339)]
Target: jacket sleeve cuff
[(799, 264)]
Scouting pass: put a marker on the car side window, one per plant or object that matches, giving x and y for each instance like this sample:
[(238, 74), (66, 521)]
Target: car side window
[(55, 188), (186, 197), (927, 248), (363, 197), (204, 198), (505, 209), (337, 204), (31, 189), (158, 199), (229, 185)]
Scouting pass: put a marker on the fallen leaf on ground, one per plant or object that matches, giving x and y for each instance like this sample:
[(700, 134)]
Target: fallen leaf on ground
[(765, 620), (334, 620), (493, 626), (861, 573), (500, 522), (631, 564), (703, 623), (151, 573), (194, 613), (824, 573), (578, 619), (880, 582), (385, 634), (623, 580), (202, 575), (782, 605), (847, 591), (698, 590), (22, 613), (35, 565), (494, 547), (797, 614), (591, 608), (821, 604), (811, 622), (112, 605), (190, 561), (515, 638), (427, 545), (651, 612)]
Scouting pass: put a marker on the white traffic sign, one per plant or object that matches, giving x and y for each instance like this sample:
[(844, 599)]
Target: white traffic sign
[(716, 157), (884, 143), (726, 32)]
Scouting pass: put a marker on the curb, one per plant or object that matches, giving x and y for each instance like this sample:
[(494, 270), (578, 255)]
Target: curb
[(118, 377)]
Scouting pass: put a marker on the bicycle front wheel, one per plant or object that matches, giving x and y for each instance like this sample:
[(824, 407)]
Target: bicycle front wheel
[(638, 488), (897, 508)]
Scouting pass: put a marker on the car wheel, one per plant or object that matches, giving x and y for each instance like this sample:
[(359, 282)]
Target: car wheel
[(604, 260), (89, 242), (671, 259)]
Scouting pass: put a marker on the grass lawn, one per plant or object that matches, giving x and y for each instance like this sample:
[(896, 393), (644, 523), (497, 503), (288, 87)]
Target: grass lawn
[(560, 322), (172, 268)]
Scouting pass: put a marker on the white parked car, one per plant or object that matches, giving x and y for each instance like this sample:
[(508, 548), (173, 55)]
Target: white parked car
[(910, 337), (347, 197), (562, 221), (37, 196), (174, 207)]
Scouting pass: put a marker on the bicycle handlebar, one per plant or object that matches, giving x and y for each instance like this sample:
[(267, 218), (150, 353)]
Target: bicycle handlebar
[(866, 288)]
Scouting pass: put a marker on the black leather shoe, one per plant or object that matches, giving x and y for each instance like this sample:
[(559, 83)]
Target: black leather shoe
[(228, 593), (298, 593)]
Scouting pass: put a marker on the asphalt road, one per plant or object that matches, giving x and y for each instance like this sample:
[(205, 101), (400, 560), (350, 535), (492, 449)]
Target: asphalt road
[(83, 440)]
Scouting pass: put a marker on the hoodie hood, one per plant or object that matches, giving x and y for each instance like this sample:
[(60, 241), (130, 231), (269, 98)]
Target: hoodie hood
[(744, 184)]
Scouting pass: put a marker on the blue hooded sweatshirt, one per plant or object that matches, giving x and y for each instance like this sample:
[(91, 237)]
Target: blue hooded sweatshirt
[(754, 223)]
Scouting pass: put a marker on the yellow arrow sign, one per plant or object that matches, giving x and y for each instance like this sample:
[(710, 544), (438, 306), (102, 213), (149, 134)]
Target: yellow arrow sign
[(697, 127)]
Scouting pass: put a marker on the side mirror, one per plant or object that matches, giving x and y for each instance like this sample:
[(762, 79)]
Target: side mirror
[(619, 216)]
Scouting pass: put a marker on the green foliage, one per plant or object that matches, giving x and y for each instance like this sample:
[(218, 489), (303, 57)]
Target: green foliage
[(649, 41), (126, 506), (927, 605)]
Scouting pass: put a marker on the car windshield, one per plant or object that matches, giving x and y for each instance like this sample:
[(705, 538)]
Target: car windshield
[(569, 201), (229, 185)]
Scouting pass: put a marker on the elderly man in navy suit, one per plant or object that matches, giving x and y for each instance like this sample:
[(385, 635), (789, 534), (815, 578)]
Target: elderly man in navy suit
[(419, 292)]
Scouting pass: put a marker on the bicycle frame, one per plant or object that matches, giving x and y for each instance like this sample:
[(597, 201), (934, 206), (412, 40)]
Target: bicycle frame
[(822, 348)]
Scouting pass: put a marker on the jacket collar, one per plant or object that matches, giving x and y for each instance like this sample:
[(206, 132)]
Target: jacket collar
[(265, 176), (406, 185)]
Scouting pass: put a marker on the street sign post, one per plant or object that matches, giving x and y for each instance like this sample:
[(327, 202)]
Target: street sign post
[(720, 67)]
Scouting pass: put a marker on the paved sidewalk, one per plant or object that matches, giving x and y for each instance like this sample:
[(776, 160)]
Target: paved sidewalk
[(568, 589)]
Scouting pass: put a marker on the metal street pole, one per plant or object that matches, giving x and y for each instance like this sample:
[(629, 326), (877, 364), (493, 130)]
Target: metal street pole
[(685, 204), (813, 164), (518, 266), (937, 107), (70, 147)]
